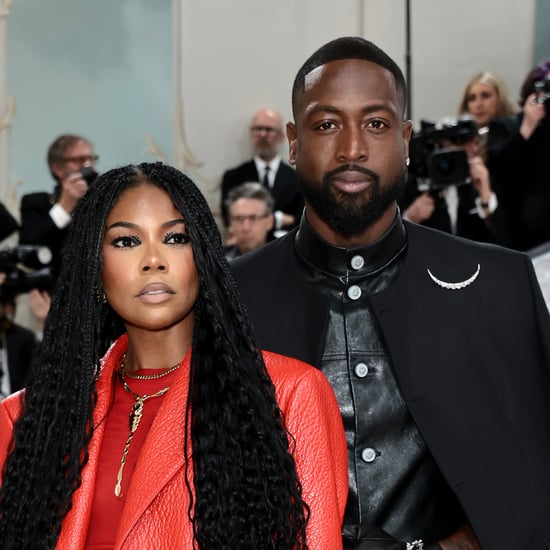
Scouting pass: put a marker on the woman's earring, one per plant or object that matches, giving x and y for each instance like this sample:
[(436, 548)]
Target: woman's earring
[(100, 296), (407, 161)]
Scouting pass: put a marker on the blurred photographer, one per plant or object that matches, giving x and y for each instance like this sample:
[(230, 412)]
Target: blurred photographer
[(17, 345), (8, 224), (519, 157), (46, 216), (27, 269), (449, 186)]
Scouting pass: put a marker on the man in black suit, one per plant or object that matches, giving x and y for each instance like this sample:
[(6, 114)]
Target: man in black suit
[(438, 348), (266, 134), (46, 216), (17, 346), (8, 224)]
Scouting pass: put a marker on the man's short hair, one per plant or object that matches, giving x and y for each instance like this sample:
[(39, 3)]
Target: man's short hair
[(251, 190), (348, 47), (56, 151)]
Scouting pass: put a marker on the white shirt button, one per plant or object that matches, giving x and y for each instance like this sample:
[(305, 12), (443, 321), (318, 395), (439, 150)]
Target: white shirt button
[(354, 292), (361, 370), (368, 454), (357, 262)]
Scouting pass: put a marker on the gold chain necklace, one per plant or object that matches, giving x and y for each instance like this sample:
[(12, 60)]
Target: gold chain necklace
[(145, 376), (135, 418)]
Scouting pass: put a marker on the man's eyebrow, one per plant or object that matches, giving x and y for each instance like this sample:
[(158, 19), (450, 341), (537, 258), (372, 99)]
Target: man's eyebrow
[(322, 108)]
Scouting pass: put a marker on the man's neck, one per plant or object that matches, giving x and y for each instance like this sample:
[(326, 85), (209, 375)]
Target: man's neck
[(266, 159), (368, 236)]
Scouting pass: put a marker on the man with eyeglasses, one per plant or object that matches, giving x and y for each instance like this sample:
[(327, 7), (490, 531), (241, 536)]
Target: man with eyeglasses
[(250, 207), (45, 216), (266, 135)]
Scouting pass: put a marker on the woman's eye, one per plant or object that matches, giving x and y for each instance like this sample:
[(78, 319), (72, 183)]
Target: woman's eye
[(176, 238), (126, 241)]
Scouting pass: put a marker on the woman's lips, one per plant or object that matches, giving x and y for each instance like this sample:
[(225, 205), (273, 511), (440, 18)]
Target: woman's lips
[(155, 293)]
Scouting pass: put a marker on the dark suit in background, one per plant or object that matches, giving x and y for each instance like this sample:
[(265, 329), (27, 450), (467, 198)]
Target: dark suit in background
[(8, 223), (285, 191), (37, 226), (21, 345)]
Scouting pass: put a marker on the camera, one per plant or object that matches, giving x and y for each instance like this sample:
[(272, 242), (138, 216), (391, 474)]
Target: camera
[(31, 256), (437, 160), (26, 267), (542, 89), (88, 174)]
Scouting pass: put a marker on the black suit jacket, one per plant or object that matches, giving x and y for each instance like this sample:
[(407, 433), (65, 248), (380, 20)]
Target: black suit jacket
[(468, 223), (286, 194), (21, 345), (8, 224), (523, 169), (37, 226), (473, 366)]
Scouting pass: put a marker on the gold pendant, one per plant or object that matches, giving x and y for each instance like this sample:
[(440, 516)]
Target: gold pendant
[(135, 415)]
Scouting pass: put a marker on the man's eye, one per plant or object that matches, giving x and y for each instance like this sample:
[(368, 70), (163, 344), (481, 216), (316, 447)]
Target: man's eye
[(377, 124), (126, 241), (176, 238), (326, 125)]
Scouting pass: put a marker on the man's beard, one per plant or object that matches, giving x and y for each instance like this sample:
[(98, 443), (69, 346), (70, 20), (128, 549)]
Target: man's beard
[(349, 214)]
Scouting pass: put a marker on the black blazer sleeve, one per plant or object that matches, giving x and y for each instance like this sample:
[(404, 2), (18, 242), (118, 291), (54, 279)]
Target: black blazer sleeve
[(8, 224)]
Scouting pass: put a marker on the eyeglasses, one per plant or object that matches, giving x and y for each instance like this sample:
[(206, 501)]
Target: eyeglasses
[(266, 129), (253, 218), (83, 159)]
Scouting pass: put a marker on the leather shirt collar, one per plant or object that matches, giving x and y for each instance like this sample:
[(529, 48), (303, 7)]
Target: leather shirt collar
[(361, 260)]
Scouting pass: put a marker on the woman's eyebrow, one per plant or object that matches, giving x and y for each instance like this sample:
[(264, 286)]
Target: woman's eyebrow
[(130, 225)]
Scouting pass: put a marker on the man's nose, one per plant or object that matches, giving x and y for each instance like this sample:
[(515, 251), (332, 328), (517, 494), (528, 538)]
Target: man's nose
[(352, 145)]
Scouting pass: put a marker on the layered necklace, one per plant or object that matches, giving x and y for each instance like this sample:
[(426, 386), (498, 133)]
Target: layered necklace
[(137, 410)]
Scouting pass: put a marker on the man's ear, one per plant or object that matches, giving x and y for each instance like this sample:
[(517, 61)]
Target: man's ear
[(271, 221), (58, 170), (292, 142), (407, 131)]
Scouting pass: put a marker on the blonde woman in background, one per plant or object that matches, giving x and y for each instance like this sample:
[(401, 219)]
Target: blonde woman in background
[(485, 97)]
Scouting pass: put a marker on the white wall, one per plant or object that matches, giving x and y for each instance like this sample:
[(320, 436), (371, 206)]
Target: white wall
[(239, 55), (230, 58)]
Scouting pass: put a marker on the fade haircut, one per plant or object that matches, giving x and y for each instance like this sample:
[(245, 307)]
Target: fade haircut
[(348, 47)]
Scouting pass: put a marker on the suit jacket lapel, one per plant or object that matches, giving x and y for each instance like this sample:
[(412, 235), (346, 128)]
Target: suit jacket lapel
[(417, 316)]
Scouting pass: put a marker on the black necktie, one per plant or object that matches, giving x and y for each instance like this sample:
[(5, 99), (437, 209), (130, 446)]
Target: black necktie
[(266, 177)]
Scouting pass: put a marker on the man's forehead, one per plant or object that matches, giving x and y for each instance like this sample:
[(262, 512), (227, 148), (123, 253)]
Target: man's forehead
[(248, 203), (267, 116), (336, 80), (326, 70)]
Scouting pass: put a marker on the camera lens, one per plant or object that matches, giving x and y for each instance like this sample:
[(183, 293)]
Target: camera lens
[(88, 173), (445, 166)]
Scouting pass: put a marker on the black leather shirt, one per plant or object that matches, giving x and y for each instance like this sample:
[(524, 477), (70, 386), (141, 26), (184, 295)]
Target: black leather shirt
[(393, 480)]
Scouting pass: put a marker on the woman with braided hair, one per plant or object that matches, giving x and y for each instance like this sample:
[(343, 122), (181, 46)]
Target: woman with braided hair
[(152, 420)]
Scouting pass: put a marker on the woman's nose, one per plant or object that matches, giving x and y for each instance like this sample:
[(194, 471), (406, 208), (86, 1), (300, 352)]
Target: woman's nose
[(153, 260)]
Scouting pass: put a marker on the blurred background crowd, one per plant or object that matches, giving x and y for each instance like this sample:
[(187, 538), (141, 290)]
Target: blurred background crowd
[(481, 172)]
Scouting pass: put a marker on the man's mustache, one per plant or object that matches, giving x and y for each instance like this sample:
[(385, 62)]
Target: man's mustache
[(352, 168)]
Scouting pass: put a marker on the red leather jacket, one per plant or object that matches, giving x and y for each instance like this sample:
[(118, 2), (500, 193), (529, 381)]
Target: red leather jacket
[(153, 517)]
